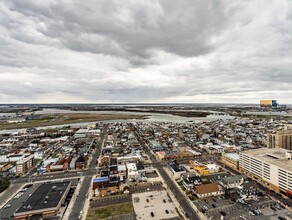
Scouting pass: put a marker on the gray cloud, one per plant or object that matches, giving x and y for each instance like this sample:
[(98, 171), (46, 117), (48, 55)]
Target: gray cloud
[(145, 51)]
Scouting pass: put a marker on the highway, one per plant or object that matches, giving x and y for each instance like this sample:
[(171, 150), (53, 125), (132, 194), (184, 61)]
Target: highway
[(181, 198), (82, 195)]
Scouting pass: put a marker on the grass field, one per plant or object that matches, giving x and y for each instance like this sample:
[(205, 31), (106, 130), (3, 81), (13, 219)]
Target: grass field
[(67, 118), (110, 211)]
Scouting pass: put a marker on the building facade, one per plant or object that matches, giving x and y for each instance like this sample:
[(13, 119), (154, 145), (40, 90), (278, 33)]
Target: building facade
[(268, 103), (280, 139), (270, 167), (231, 160), (24, 165)]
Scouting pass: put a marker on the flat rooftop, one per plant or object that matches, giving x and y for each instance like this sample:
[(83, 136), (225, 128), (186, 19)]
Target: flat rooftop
[(46, 196), (157, 202), (232, 156), (273, 156)]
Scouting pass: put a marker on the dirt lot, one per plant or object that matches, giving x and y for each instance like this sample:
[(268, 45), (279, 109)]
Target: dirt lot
[(110, 211)]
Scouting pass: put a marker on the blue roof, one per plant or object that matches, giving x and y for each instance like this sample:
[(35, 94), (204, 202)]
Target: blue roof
[(100, 179)]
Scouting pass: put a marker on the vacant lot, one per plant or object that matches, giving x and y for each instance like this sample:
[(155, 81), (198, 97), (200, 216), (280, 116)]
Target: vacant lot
[(110, 211), (67, 118)]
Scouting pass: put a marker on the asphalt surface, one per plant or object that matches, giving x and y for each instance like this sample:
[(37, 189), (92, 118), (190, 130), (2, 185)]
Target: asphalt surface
[(4, 196), (80, 198), (181, 198), (7, 213), (82, 195)]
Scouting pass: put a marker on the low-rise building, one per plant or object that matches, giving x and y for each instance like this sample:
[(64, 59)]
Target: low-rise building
[(232, 181), (24, 165), (207, 190), (132, 171), (100, 182), (45, 201), (175, 169), (198, 167), (190, 179), (231, 160)]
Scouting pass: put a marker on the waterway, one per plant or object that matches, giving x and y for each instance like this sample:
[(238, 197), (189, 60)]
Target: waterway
[(150, 117)]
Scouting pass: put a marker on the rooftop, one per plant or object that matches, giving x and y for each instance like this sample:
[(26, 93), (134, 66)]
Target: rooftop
[(156, 202), (100, 179), (46, 196), (232, 156), (207, 188), (233, 179), (276, 157)]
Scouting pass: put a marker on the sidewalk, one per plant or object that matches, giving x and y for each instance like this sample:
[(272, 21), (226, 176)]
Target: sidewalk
[(87, 202), (201, 215), (9, 193), (72, 201)]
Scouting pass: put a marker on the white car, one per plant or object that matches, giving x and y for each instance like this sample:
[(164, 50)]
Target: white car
[(7, 205)]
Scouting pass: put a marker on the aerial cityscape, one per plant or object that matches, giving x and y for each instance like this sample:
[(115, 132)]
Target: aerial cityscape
[(145, 110)]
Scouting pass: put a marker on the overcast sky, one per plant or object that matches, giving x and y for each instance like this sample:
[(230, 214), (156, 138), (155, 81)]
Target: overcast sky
[(103, 51)]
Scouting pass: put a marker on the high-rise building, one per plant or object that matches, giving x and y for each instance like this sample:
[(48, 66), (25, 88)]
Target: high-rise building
[(270, 167), (268, 103), (280, 139)]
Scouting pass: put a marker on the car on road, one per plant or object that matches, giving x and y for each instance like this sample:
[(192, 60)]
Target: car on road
[(7, 206)]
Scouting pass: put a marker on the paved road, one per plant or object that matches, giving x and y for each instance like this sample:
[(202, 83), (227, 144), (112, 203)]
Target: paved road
[(181, 198), (4, 196), (80, 198), (6, 213), (82, 194)]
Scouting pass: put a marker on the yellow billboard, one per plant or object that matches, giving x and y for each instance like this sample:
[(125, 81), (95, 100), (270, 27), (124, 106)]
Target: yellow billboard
[(268, 103)]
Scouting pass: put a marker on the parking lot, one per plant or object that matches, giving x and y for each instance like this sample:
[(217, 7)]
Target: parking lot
[(217, 207), (8, 210), (116, 199), (11, 206), (263, 208)]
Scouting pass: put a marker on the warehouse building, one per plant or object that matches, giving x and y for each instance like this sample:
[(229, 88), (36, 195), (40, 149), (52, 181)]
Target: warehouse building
[(45, 201), (270, 167)]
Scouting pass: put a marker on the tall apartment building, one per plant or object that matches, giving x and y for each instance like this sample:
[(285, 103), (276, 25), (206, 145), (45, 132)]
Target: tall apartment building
[(280, 139), (24, 164), (270, 167)]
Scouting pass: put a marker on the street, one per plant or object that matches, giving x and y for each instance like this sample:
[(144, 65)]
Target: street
[(181, 198), (82, 195)]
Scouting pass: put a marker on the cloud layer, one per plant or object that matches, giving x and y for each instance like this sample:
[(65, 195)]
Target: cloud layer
[(55, 51)]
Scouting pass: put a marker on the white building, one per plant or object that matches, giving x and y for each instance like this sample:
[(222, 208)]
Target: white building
[(11, 157), (232, 181), (270, 167), (213, 168), (132, 171), (39, 155)]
